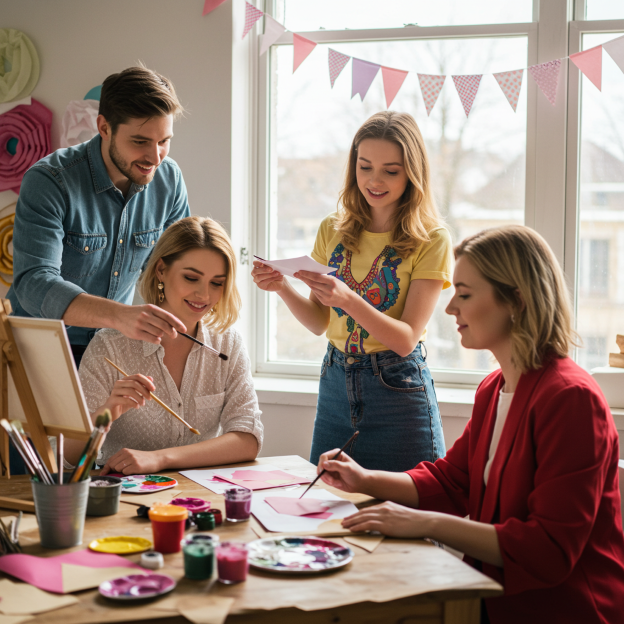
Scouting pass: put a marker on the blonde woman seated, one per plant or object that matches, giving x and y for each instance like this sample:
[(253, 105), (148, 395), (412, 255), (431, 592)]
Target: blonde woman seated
[(192, 275), (536, 469)]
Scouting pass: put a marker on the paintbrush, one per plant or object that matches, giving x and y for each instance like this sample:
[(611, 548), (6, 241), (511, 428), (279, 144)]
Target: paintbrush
[(20, 440), (199, 342), (165, 407), (83, 467), (320, 474), (18, 444), (59, 457)]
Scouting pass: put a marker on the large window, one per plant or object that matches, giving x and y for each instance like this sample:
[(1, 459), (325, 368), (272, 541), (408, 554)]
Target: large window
[(492, 168)]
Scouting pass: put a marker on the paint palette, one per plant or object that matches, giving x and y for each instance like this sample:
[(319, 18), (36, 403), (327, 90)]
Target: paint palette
[(144, 484), (137, 586), (303, 555)]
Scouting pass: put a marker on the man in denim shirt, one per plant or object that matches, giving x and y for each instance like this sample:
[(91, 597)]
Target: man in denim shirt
[(88, 216)]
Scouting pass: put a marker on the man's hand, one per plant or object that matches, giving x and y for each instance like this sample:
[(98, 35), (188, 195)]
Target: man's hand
[(147, 322), (131, 462)]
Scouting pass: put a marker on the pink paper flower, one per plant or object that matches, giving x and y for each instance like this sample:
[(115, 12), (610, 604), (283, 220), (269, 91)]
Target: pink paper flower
[(24, 139)]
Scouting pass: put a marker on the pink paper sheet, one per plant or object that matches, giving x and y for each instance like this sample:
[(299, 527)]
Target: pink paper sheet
[(46, 573), (261, 480), (307, 508)]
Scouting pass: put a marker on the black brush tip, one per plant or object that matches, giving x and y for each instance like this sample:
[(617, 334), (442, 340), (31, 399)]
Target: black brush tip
[(223, 356)]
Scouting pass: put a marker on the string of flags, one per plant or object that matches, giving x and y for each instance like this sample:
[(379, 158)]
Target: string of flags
[(546, 75)]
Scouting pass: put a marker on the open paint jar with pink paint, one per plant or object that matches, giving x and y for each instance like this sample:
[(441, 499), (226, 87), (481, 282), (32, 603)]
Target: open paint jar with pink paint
[(232, 564), (237, 504)]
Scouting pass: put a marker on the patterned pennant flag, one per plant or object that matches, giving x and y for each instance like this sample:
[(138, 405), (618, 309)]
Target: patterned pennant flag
[(363, 75), (272, 32), (511, 83), (467, 87), (546, 75), (590, 63), (302, 48), (393, 80), (430, 87), (252, 15), (337, 62), (615, 48), (211, 5)]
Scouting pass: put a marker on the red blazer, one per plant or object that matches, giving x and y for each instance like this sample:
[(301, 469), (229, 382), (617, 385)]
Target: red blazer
[(552, 495)]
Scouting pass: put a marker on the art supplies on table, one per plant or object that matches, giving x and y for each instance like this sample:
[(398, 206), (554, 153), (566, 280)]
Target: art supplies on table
[(120, 545), (144, 484), (9, 534), (199, 556), (152, 560), (290, 266), (28, 453), (168, 523), (159, 401), (90, 452), (303, 555), (194, 505), (232, 562), (260, 477), (137, 586), (237, 504), (66, 573), (104, 494), (284, 513)]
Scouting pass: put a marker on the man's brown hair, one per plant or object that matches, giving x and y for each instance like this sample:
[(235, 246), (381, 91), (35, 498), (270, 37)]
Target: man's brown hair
[(137, 93)]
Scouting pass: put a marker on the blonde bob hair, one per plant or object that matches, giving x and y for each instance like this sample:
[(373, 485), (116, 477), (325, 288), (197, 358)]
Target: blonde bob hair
[(183, 236), (525, 275), (417, 215)]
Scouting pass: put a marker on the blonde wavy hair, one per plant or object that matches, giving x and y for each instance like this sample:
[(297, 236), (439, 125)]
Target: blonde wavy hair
[(183, 236), (416, 215), (516, 259)]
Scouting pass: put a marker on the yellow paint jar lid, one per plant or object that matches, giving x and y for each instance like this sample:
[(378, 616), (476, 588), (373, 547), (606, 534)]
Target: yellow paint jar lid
[(168, 513)]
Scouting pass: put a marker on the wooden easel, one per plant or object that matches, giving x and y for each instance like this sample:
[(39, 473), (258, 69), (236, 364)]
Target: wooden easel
[(10, 359)]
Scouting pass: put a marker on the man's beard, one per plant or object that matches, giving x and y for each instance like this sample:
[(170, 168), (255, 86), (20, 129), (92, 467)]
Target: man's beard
[(126, 168)]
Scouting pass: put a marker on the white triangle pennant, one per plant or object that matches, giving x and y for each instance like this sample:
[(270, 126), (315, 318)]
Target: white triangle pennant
[(546, 75), (510, 82), (615, 49), (272, 32), (467, 87), (430, 87)]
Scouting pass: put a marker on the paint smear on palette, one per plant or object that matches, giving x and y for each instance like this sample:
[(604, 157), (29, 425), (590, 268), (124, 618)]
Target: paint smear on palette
[(142, 484), (308, 508)]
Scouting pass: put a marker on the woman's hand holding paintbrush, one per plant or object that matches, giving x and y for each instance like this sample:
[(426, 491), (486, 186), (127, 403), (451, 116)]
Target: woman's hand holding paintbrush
[(129, 392)]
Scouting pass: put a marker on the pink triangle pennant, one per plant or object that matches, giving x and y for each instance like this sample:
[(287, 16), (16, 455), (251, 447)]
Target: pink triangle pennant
[(467, 87), (211, 5), (615, 49), (546, 75), (511, 83), (590, 63), (363, 75), (393, 80), (272, 32), (337, 62), (302, 48), (430, 87), (252, 15)]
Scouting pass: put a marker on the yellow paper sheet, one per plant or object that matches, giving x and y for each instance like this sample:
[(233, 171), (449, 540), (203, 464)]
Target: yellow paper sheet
[(77, 578), (23, 599), (150, 499), (367, 542)]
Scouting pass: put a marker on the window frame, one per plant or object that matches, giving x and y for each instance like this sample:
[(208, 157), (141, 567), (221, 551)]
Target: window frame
[(552, 150)]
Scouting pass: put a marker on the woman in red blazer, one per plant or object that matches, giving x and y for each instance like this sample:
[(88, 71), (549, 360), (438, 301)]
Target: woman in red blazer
[(536, 469)]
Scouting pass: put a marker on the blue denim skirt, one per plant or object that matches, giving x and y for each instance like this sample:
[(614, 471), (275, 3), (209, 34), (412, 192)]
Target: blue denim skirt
[(389, 399)]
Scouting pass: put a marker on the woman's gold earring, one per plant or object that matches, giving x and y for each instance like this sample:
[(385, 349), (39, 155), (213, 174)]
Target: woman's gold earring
[(161, 292), (513, 318), (213, 310)]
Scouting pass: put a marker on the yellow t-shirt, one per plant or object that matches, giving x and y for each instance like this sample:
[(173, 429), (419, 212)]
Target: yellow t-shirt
[(379, 276)]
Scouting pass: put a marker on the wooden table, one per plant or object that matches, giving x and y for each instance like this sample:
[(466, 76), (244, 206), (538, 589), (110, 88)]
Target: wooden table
[(437, 587)]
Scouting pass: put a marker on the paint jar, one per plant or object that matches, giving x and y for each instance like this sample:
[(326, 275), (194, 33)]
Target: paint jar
[(205, 521), (201, 538), (218, 516), (232, 562), (194, 505), (152, 560), (198, 559), (237, 504), (104, 493), (168, 527)]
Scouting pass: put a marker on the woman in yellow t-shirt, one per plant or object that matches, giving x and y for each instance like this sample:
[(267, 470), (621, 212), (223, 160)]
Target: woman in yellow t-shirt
[(393, 258)]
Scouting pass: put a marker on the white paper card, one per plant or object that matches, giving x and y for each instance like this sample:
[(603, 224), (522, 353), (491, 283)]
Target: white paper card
[(291, 265)]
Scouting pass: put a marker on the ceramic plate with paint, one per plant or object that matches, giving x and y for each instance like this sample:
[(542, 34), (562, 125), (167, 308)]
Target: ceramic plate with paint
[(304, 555), (120, 545), (137, 586), (144, 484)]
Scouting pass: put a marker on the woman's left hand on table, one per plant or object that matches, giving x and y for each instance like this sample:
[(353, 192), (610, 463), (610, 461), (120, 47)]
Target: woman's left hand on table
[(131, 462), (390, 519), (329, 290)]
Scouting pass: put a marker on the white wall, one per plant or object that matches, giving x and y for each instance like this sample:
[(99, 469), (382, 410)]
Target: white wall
[(81, 42)]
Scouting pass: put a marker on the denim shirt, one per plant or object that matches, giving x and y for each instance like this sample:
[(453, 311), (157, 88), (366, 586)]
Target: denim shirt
[(76, 233)]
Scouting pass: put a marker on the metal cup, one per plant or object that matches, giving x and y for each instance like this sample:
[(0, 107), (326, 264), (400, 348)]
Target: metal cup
[(60, 511)]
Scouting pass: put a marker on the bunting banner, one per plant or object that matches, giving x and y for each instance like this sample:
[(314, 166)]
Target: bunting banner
[(363, 75), (272, 32), (302, 49), (615, 49), (393, 80), (546, 75), (467, 87), (590, 63), (211, 5), (430, 87), (252, 15), (511, 83), (337, 62)]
